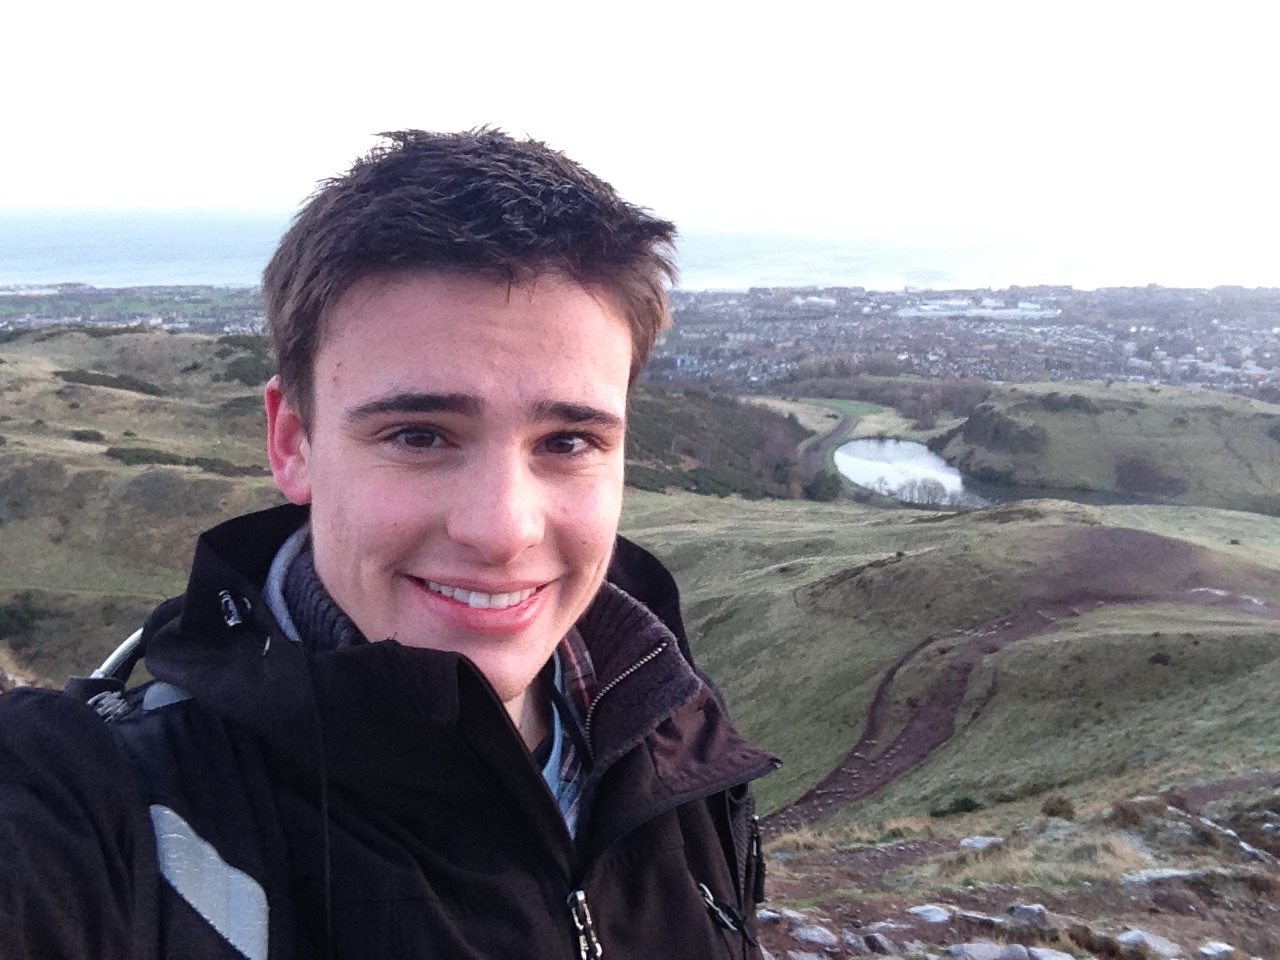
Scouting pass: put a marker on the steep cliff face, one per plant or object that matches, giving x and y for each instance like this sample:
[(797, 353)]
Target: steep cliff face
[(1184, 446), (990, 427)]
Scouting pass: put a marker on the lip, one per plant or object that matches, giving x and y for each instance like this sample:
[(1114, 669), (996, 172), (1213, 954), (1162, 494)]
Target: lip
[(458, 615)]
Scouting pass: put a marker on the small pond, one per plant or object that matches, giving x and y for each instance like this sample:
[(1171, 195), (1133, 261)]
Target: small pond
[(913, 473), (907, 470)]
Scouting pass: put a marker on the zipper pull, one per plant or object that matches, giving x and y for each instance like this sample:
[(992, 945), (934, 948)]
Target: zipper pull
[(717, 913), (757, 855), (727, 917), (588, 945)]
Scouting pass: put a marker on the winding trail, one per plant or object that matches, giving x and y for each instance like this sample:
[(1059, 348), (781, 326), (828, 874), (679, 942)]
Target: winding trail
[(871, 765), (815, 455)]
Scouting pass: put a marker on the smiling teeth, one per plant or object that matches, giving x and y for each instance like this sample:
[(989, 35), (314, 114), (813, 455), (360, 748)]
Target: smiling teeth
[(478, 600)]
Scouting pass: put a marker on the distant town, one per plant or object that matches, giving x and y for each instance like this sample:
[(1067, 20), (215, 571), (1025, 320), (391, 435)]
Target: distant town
[(1226, 338)]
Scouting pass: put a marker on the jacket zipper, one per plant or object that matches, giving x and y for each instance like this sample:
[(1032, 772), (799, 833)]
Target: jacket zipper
[(757, 857), (588, 944), (591, 710), (589, 947)]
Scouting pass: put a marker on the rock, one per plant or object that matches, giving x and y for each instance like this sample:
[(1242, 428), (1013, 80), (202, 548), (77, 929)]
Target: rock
[(765, 915), (816, 935), (1154, 943), (931, 913), (879, 943), (979, 950), (981, 919), (766, 955), (887, 925), (804, 955), (981, 843), (792, 916), (1014, 951), (857, 946), (1044, 953), (1217, 950), (1253, 853), (1029, 914), (1156, 873), (1056, 829)]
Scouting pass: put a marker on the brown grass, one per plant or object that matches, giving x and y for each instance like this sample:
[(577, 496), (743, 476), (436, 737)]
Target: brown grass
[(12, 675), (806, 839), (901, 828), (1091, 855)]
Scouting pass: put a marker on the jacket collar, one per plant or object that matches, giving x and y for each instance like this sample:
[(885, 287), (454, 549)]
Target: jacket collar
[(396, 721)]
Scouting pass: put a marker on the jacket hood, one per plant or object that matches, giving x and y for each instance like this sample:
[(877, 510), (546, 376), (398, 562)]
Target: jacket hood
[(392, 721)]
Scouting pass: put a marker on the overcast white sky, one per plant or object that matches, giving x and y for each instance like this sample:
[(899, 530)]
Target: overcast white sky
[(1141, 128)]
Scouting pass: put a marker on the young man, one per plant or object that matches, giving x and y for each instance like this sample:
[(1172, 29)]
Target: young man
[(435, 707)]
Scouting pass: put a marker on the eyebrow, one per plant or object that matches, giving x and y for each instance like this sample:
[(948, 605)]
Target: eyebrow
[(410, 402), (576, 413), (472, 406)]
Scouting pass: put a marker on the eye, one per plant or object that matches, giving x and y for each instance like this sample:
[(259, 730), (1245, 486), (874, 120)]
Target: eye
[(416, 438), (567, 444)]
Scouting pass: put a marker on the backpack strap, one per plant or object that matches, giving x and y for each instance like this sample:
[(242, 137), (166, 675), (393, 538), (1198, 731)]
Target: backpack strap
[(219, 844)]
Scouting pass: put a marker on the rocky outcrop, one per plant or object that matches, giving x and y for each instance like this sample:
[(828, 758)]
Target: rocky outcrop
[(990, 427), (1188, 446), (1025, 931)]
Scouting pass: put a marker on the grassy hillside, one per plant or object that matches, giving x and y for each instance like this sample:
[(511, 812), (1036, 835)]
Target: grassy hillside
[(1060, 647), (801, 610), (117, 446), (1184, 446), (711, 443)]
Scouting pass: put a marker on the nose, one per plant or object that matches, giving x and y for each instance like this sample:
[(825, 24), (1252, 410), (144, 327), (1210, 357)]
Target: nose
[(498, 509)]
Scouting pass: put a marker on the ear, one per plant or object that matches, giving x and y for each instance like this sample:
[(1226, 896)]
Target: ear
[(288, 448)]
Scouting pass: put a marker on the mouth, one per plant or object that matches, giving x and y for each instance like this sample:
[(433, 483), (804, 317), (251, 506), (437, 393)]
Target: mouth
[(477, 600)]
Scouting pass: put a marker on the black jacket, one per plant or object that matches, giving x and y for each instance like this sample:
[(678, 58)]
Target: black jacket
[(373, 801)]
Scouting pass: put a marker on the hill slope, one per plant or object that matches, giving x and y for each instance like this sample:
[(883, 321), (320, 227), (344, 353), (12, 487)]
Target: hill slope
[(118, 446), (1180, 445), (1008, 651), (991, 655)]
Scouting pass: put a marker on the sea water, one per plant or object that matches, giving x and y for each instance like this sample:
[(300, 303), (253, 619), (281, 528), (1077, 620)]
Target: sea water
[(113, 249)]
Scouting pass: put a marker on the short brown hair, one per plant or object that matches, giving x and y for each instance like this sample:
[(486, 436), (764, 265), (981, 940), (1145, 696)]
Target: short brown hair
[(479, 201)]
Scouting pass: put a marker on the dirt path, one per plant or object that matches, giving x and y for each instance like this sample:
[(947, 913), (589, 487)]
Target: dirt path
[(871, 765), (815, 455)]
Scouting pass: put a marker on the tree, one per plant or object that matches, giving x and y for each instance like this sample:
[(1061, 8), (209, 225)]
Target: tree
[(824, 487)]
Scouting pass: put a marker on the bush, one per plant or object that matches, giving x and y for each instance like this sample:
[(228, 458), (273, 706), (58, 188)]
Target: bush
[(253, 367), (647, 478), (1058, 806), (115, 381), (252, 371), (88, 436), (19, 616), (961, 804), (239, 406), (824, 487), (135, 456), (1125, 814)]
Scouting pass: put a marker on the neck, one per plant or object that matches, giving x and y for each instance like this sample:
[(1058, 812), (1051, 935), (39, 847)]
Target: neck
[(528, 711)]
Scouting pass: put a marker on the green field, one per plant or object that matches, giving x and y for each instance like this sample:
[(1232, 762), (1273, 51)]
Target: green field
[(797, 609)]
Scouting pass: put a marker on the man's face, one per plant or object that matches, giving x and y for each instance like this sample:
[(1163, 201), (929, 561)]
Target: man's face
[(464, 463)]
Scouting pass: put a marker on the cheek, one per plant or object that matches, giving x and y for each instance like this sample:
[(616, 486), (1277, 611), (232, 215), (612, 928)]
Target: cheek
[(591, 525)]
